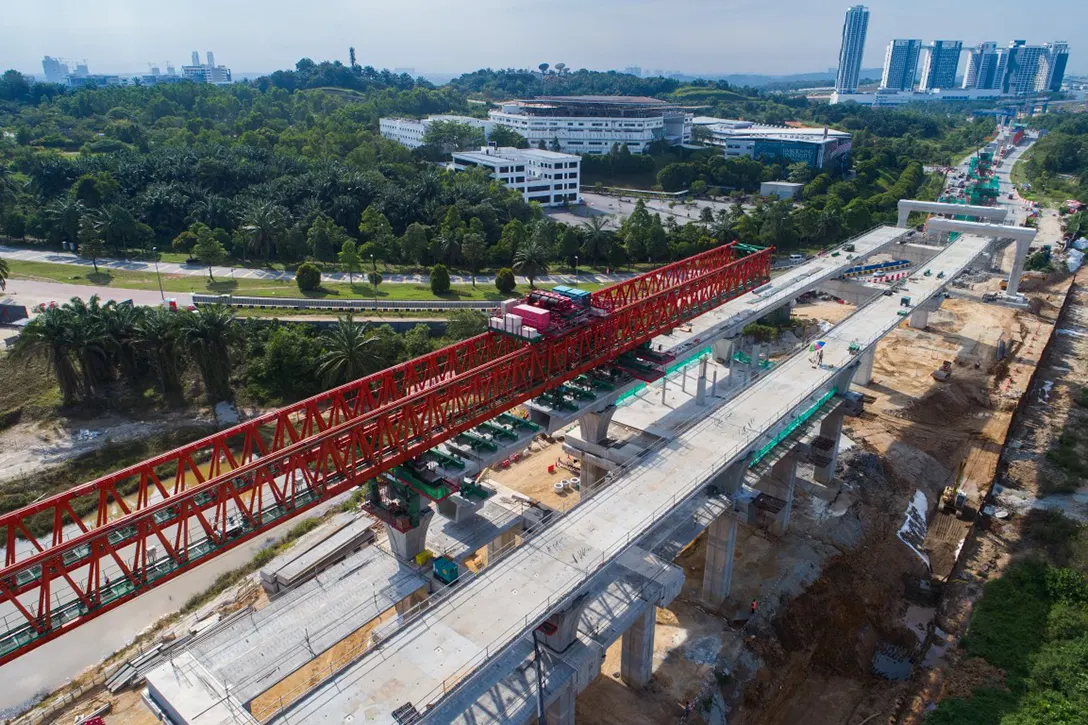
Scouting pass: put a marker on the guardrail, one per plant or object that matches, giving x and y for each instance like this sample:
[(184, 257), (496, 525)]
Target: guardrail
[(303, 303)]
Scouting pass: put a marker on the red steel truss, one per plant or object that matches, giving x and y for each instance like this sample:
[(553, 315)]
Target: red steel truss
[(200, 500)]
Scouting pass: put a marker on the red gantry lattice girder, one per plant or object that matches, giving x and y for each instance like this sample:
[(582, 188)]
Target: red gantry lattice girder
[(203, 499)]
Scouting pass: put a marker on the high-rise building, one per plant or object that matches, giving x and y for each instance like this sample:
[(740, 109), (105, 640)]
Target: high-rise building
[(196, 58), (1020, 68), (1052, 71), (854, 29), (56, 70), (633, 70), (900, 64), (939, 64), (211, 59), (982, 66)]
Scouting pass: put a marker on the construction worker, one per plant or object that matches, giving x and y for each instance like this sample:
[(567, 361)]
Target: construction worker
[(755, 605)]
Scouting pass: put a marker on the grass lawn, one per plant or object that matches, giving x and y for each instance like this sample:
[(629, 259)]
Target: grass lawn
[(1046, 197), (123, 279)]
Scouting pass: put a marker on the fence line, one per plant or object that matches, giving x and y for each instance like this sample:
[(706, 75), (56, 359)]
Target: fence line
[(303, 303)]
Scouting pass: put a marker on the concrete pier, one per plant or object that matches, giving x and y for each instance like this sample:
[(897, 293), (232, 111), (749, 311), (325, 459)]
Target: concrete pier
[(560, 711), (637, 658), (723, 349), (700, 383), (594, 426), (864, 374), (920, 317), (564, 623), (594, 429), (721, 548), (830, 433), (784, 473), (406, 545), (1022, 248)]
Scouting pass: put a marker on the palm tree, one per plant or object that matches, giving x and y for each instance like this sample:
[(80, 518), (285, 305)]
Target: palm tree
[(90, 342), (598, 240), (448, 246), (49, 336), (64, 216), (532, 257), (5, 272), (349, 354), (209, 333), (159, 333), (121, 322), (722, 227), (114, 223), (264, 222)]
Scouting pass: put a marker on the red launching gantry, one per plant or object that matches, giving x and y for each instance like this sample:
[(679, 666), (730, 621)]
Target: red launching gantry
[(160, 518)]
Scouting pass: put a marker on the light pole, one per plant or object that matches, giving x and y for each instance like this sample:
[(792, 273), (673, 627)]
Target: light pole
[(374, 279), (155, 253), (575, 269)]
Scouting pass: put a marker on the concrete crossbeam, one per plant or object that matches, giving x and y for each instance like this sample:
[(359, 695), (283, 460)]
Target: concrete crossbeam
[(855, 293), (906, 206)]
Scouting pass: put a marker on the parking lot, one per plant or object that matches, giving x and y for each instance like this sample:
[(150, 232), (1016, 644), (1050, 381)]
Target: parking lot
[(618, 208)]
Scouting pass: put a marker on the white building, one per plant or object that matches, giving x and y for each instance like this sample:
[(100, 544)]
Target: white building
[(903, 97), (817, 147), (854, 30), (218, 75), (594, 124), (547, 177), (781, 189), (410, 131)]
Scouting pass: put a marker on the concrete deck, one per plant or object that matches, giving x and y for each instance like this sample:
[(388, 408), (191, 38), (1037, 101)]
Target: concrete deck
[(254, 652), (350, 533), (431, 656)]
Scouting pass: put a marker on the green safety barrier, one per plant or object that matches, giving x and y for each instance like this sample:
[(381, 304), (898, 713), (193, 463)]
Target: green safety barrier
[(794, 425)]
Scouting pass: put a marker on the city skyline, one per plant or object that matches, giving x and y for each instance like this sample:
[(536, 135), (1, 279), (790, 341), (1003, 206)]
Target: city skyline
[(120, 36)]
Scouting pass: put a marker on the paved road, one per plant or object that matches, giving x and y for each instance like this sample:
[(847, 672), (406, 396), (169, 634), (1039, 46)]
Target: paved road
[(173, 268), (31, 292)]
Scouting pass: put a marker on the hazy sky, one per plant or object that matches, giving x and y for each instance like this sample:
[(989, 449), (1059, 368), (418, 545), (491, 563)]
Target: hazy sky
[(695, 36)]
